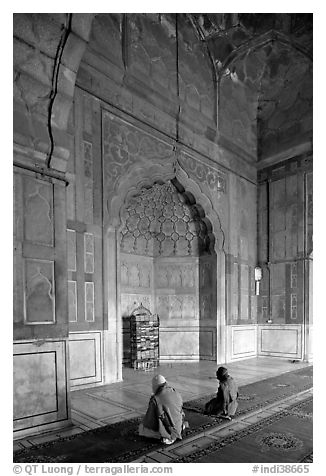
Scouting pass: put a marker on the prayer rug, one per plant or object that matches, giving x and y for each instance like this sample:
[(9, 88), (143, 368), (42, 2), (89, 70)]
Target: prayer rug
[(120, 442), (285, 437)]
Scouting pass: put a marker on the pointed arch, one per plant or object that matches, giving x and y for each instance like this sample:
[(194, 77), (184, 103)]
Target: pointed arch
[(140, 176)]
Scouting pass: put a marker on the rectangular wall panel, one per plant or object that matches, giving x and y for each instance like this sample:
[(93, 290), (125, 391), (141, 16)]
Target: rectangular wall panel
[(71, 250), (280, 341), (72, 301), (39, 382), (241, 342), (85, 357), (187, 343)]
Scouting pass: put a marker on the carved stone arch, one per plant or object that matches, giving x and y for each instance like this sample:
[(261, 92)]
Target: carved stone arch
[(131, 183), (140, 177)]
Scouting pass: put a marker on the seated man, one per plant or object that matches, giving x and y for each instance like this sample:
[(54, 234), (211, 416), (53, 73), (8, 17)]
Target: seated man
[(225, 403), (164, 416)]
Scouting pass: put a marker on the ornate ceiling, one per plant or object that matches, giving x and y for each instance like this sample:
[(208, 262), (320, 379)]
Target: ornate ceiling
[(244, 79), (270, 55)]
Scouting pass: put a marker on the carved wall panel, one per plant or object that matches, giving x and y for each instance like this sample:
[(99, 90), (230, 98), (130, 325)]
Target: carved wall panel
[(171, 276), (130, 301), (38, 211), (39, 292), (176, 306), (189, 308), (136, 275)]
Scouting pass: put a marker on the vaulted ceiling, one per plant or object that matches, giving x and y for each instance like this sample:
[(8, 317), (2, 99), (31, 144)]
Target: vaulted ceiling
[(261, 64), (270, 55)]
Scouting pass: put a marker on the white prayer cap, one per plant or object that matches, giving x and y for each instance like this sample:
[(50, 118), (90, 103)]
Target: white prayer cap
[(157, 381)]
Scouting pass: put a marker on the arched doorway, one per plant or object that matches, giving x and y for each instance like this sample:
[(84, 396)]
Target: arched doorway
[(168, 263), (162, 251)]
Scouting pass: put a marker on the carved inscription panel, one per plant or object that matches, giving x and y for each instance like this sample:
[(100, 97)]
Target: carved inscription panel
[(175, 276), (136, 275), (179, 306)]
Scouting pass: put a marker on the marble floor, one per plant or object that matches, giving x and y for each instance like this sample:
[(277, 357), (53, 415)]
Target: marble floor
[(98, 406)]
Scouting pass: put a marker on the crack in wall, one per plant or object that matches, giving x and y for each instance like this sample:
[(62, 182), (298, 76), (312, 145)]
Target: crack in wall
[(55, 76)]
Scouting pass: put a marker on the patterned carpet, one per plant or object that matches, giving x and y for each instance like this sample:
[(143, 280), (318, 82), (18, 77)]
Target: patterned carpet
[(285, 437), (120, 442)]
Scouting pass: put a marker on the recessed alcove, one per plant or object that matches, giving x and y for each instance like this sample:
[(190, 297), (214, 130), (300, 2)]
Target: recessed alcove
[(168, 263)]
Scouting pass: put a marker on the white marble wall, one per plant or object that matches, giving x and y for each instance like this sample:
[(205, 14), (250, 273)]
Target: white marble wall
[(241, 342), (187, 343), (85, 358), (39, 382), (280, 340)]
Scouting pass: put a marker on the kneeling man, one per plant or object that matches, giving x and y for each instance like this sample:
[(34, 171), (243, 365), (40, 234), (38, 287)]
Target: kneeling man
[(225, 403), (164, 416)]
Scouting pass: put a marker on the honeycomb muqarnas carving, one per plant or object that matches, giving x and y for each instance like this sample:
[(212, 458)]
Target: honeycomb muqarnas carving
[(160, 222)]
